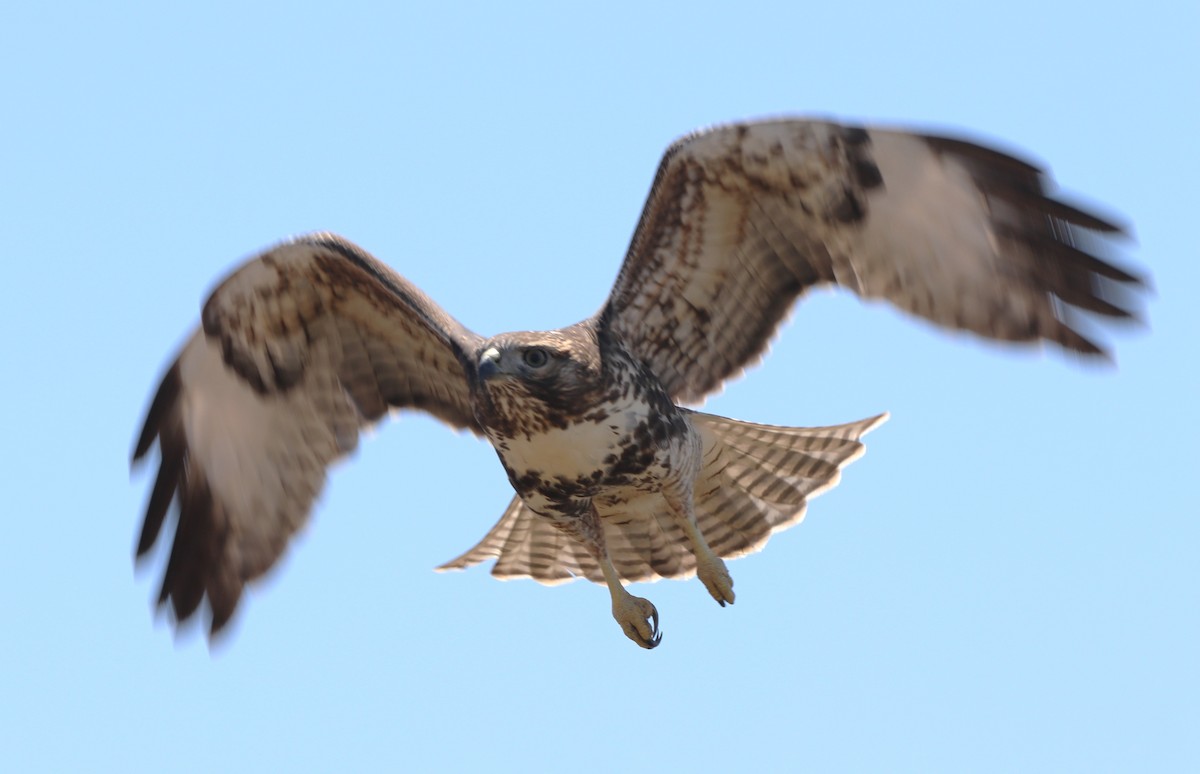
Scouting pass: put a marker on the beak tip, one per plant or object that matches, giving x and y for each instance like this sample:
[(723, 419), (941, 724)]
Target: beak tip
[(489, 363)]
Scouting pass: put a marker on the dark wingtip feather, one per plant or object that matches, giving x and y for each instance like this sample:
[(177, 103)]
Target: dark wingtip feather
[(1039, 201), (199, 541), (1108, 223), (195, 575), (1065, 249), (981, 156), (164, 401), (1072, 255), (168, 480), (223, 600), (1076, 342)]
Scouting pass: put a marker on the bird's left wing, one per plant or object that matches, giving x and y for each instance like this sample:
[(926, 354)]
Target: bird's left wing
[(742, 219), (300, 348)]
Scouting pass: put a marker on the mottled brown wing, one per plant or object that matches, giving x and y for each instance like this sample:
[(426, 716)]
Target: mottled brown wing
[(742, 219), (300, 348)]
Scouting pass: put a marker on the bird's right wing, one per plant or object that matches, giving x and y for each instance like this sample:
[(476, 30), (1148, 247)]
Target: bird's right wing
[(300, 348)]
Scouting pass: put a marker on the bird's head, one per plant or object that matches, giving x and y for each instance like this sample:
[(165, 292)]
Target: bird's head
[(552, 375)]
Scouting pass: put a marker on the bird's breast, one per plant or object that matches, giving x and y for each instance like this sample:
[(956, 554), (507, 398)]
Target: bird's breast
[(577, 451)]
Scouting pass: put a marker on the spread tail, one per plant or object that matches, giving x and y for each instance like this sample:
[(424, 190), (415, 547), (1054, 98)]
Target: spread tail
[(756, 480)]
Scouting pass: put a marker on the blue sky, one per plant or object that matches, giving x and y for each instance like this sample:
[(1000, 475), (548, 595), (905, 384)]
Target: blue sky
[(1007, 581)]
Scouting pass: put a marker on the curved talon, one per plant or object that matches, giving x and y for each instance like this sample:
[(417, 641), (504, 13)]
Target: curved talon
[(716, 580), (657, 638), (639, 620), (649, 644)]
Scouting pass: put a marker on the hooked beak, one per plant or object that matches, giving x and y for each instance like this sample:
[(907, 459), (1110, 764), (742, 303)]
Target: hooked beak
[(489, 363)]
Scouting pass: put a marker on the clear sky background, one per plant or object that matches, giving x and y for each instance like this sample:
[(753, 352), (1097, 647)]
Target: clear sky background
[(1007, 581)]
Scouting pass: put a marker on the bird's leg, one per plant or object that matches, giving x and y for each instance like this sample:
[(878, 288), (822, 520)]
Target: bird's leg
[(638, 617), (709, 567)]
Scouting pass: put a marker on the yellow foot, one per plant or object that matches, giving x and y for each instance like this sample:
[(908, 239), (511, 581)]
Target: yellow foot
[(638, 619), (716, 579)]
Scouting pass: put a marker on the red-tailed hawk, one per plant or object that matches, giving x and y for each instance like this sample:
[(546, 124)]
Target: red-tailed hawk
[(306, 344)]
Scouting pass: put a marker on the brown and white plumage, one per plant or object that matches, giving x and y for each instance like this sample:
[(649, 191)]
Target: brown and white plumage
[(300, 349), (741, 500), (313, 340), (743, 219)]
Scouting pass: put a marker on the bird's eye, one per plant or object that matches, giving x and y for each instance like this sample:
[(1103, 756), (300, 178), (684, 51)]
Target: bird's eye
[(535, 357)]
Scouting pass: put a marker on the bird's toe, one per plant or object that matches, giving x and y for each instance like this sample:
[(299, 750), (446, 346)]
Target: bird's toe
[(639, 620), (717, 580)]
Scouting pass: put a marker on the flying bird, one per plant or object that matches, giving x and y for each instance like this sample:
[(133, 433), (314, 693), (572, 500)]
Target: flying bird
[(308, 343)]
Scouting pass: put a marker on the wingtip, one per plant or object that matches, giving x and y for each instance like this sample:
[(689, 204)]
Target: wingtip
[(1095, 356), (163, 402)]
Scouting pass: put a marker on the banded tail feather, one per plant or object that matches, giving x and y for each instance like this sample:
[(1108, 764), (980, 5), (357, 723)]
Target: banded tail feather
[(757, 479)]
